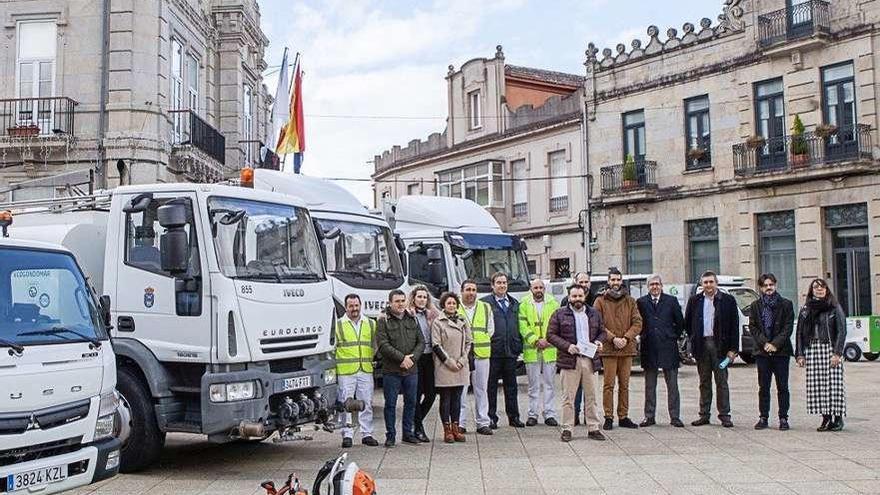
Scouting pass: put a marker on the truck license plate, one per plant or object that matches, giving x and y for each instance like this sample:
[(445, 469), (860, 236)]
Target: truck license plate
[(35, 478), (297, 382)]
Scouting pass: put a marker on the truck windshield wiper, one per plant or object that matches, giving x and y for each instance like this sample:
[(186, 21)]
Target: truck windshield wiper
[(60, 330), (15, 346)]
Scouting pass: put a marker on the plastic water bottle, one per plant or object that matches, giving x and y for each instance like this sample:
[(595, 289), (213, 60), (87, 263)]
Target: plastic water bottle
[(723, 364)]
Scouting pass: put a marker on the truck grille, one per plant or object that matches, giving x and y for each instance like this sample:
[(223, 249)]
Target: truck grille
[(39, 451), (285, 344), (50, 417), (290, 365)]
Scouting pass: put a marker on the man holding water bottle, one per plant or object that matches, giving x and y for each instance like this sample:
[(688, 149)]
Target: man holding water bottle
[(712, 323)]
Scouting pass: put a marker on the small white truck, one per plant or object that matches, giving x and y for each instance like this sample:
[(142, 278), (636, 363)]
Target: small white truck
[(449, 240), (222, 312), (360, 252), (58, 403)]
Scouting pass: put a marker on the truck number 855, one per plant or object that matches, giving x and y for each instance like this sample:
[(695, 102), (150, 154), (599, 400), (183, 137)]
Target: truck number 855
[(247, 289)]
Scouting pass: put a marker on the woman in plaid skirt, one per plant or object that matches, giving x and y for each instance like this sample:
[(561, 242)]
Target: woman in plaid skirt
[(821, 335)]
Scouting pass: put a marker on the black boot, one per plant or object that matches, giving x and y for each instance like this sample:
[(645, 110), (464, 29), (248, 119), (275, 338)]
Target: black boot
[(826, 421), (419, 433), (836, 424)]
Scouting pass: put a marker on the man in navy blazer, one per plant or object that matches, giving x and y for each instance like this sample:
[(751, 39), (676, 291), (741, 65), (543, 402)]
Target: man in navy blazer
[(506, 347), (662, 324)]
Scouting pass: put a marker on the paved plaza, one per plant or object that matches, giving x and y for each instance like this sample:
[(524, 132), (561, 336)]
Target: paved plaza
[(659, 459)]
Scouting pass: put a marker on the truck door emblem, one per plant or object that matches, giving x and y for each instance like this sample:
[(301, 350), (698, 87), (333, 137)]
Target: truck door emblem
[(149, 297)]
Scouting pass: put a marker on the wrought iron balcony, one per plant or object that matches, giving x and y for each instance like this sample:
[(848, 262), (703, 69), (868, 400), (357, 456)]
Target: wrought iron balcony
[(187, 128), (816, 148), (559, 203), (616, 179), (795, 22), (37, 117)]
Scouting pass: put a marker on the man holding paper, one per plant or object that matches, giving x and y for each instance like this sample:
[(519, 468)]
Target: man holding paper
[(576, 331)]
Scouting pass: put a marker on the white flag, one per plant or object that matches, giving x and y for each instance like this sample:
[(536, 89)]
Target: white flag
[(281, 108)]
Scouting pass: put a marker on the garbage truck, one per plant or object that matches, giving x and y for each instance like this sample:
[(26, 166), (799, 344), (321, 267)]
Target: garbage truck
[(60, 416), (361, 254), (221, 309)]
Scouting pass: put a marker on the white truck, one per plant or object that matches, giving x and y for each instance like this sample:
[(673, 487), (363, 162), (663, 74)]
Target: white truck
[(223, 315), (58, 403), (360, 252), (449, 240)]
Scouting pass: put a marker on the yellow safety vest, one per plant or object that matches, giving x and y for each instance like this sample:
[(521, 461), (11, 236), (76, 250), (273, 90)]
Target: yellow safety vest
[(480, 329), (533, 328), (354, 352)]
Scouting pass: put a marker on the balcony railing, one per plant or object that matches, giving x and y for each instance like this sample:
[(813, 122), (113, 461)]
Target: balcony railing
[(35, 117), (187, 128), (808, 150), (522, 209), (559, 203), (798, 21), (616, 180)]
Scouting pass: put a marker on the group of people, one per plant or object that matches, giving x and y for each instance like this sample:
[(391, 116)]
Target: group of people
[(426, 351)]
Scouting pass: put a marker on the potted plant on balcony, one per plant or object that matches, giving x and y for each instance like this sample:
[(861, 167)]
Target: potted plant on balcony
[(23, 130), (824, 131), (696, 154), (800, 152), (630, 180), (755, 142)]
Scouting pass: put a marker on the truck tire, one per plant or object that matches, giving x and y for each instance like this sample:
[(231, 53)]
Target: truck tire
[(871, 356), (747, 358), (852, 353), (145, 442)]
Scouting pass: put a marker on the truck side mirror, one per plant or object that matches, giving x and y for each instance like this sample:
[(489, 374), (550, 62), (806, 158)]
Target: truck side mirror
[(104, 303), (401, 251), (174, 243)]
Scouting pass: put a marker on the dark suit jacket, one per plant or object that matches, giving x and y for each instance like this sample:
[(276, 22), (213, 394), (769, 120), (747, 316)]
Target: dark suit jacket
[(780, 334), (726, 331), (661, 328), (506, 341)]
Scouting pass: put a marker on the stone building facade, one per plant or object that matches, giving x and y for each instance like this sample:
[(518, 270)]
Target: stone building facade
[(505, 122), (147, 91), (723, 175)]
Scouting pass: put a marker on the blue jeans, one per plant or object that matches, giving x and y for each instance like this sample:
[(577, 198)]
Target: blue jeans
[(392, 385)]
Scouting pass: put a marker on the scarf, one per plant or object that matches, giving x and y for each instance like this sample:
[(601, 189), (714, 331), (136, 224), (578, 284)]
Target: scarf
[(769, 305), (616, 294), (815, 307)]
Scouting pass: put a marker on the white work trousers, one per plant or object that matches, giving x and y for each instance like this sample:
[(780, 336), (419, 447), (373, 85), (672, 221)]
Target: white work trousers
[(542, 376), (480, 384), (359, 386)]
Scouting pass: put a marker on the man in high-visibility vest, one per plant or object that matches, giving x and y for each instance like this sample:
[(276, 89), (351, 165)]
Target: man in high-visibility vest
[(479, 316), (535, 310), (355, 339)]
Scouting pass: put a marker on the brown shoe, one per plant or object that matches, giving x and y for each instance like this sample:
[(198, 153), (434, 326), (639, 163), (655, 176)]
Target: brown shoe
[(457, 434), (448, 435)]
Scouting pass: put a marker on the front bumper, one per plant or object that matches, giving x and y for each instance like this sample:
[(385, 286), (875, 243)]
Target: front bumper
[(85, 466), (274, 408)]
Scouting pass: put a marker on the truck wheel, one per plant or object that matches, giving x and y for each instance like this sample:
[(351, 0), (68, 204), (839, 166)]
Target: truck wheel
[(145, 441), (871, 356), (852, 353), (747, 358)]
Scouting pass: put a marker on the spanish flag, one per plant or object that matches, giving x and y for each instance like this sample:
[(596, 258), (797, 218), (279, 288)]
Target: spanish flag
[(293, 138)]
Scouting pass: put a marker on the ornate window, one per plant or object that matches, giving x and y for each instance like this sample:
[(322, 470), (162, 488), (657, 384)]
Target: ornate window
[(703, 247), (777, 250), (638, 249)]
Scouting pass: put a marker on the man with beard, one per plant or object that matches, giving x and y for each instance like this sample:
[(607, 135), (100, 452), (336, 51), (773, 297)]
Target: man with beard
[(535, 310), (355, 339), (622, 320), (479, 315)]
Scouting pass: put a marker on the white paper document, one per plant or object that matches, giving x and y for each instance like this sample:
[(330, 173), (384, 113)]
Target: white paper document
[(589, 349)]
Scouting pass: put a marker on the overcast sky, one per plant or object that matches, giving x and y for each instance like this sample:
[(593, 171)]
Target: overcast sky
[(375, 69)]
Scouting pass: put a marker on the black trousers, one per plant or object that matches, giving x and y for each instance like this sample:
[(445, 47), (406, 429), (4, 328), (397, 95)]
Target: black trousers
[(768, 367), (503, 369), (426, 392), (450, 403)]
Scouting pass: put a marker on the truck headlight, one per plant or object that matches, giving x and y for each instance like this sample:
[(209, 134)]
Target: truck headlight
[(330, 376), (106, 415), (231, 392)]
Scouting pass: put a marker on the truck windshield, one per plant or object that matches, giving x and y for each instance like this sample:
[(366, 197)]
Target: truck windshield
[(44, 299), (363, 254), (264, 241), (484, 262)]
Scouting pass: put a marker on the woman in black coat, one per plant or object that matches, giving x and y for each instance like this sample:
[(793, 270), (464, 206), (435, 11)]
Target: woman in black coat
[(821, 336)]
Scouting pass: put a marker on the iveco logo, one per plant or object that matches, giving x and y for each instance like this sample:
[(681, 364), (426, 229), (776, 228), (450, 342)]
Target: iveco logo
[(293, 293), (284, 332), (375, 305)]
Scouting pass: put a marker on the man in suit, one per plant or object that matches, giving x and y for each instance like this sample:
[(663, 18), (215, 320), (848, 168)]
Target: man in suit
[(506, 347), (712, 323), (662, 324)]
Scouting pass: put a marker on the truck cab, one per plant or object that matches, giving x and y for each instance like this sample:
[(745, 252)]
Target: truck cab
[(450, 240), (59, 406), (222, 310), (361, 254)]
